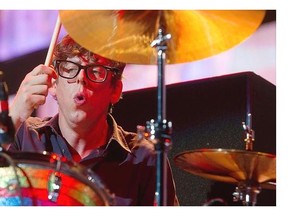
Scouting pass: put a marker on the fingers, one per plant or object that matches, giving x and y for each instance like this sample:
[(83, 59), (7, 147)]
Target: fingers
[(42, 69), (40, 75), (36, 90), (37, 100), (41, 79), (34, 100), (36, 83), (31, 93)]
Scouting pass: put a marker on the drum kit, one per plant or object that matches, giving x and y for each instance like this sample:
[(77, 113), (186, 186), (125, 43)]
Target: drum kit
[(130, 36)]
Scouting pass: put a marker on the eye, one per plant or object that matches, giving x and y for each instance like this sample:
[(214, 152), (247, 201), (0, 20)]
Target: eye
[(97, 72), (68, 68)]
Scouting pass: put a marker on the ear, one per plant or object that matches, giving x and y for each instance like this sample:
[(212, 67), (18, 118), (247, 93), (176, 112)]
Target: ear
[(52, 89), (117, 92)]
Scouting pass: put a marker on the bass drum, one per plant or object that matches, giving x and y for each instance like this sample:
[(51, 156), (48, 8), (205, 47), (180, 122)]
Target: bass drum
[(43, 179)]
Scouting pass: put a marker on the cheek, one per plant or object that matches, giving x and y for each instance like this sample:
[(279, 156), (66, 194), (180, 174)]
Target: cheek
[(62, 91), (102, 95), (98, 95)]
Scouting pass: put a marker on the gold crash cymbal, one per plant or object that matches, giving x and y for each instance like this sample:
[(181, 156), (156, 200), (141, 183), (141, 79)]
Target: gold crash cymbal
[(230, 165), (126, 35)]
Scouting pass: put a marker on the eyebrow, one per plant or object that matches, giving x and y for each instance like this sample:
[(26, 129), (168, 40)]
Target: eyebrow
[(75, 60)]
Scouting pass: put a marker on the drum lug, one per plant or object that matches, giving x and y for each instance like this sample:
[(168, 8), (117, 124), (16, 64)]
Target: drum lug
[(54, 183), (54, 186)]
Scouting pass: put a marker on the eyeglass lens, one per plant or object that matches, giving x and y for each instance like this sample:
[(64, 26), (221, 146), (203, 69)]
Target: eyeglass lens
[(70, 70)]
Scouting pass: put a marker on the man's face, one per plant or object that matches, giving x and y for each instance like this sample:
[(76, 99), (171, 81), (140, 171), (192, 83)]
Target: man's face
[(80, 99)]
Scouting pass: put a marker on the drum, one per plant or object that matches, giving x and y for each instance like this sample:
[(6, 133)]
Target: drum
[(43, 179)]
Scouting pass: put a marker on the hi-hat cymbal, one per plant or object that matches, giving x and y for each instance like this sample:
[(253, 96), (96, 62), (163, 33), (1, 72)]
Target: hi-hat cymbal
[(230, 165), (126, 35)]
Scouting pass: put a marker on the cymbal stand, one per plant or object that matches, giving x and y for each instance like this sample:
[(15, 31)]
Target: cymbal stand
[(247, 191), (161, 129), (250, 134)]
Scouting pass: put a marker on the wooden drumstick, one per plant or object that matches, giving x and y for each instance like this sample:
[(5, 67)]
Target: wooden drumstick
[(52, 45), (53, 42)]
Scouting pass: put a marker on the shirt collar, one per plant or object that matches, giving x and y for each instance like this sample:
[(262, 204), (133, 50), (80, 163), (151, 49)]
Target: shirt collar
[(117, 131)]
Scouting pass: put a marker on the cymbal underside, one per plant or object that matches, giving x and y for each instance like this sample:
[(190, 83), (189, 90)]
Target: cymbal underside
[(231, 166), (126, 35)]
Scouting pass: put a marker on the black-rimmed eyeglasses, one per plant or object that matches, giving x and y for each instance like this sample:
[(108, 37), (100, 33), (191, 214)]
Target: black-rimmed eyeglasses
[(95, 73)]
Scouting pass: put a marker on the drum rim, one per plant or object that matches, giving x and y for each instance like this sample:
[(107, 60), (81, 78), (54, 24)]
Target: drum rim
[(80, 172)]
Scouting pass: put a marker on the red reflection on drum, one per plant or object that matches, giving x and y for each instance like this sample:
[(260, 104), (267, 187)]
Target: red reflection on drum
[(26, 183)]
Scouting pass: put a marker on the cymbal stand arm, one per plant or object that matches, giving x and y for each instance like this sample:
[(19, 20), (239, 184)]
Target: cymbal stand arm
[(250, 134), (161, 129)]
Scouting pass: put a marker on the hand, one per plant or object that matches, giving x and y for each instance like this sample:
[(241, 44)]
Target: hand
[(31, 93)]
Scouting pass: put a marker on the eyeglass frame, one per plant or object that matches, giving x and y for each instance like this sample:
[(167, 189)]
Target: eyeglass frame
[(56, 64)]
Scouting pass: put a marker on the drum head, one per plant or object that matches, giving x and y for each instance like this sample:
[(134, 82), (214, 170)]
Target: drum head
[(43, 179)]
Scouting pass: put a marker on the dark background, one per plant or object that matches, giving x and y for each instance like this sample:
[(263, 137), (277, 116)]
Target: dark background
[(208, 113)]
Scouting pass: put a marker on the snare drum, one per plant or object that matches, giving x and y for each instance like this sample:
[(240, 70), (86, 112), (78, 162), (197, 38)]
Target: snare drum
[(43, 179)]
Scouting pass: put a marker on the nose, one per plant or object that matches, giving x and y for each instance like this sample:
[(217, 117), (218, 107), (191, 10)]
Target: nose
[(81, 77)]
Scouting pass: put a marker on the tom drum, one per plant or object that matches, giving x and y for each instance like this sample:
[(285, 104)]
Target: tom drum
[(43, 179)]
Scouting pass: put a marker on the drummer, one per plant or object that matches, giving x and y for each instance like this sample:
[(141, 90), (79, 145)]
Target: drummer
[(86, 86)]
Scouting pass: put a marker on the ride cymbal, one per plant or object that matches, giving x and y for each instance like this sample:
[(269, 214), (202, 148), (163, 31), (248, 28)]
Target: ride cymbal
[(126, 35), (230, 165)]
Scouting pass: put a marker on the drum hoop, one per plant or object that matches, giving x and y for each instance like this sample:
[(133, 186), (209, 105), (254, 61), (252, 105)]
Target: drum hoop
[(69, 168)]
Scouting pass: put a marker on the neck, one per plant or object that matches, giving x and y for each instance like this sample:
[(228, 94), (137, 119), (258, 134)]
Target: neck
[(85, 137)]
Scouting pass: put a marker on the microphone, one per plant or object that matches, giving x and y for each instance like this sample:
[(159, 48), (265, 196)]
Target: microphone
[(7, 130)]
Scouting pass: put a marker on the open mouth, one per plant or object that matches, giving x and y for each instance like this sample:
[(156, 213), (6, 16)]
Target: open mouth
[(79, 98)]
